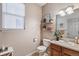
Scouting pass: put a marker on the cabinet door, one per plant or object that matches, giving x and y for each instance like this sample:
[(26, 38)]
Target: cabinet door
[(55, 50), (69, 52), (55, 53)]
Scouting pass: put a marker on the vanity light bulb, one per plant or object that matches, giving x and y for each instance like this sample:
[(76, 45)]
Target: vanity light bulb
[(62, 13), (69, 10)]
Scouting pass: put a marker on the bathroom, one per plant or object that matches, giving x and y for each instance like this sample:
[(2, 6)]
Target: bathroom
[(39, 23)]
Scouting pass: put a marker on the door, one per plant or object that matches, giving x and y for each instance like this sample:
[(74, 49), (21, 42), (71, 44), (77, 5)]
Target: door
[(55, 53)]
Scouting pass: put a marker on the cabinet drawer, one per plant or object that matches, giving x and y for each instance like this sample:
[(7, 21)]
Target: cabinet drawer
[(54, 46), (70, 52)]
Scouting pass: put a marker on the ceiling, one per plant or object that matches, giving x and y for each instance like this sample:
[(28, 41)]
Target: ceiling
[(40, 4)]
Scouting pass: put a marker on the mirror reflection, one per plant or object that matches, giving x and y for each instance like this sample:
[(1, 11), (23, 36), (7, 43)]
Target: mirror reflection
[(68, 25)]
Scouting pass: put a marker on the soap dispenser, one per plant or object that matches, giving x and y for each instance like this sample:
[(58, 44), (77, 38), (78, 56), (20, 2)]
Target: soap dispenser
[(77, 40)]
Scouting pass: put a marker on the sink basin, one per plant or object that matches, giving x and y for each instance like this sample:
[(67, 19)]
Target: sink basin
[(71, 43)]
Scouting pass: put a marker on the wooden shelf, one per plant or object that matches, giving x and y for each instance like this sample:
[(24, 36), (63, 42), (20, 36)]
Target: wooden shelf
[(49, 26)]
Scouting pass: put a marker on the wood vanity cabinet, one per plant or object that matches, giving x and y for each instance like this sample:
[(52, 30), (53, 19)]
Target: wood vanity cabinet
[(56, 50)]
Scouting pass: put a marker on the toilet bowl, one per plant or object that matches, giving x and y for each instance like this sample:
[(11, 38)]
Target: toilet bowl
[(43, 48)]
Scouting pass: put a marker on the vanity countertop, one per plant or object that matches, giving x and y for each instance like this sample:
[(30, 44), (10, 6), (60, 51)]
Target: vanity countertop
[(66, 44)]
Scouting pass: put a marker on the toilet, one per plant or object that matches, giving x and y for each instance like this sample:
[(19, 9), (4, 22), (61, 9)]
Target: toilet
[(42, 49)]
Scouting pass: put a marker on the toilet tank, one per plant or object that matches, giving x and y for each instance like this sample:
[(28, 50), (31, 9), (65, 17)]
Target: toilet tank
[(46, 42)]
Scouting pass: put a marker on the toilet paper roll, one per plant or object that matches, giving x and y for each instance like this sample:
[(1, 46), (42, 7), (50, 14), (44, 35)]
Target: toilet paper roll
[(35, 40)]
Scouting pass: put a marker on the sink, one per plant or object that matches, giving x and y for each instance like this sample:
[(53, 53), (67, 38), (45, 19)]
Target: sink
[(71, 43), (67, 42)]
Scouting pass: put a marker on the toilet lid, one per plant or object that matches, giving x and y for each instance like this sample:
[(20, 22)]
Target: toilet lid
[(42, 48)]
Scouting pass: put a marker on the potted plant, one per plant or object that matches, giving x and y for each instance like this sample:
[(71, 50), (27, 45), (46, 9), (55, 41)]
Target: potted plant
[(57, 34)]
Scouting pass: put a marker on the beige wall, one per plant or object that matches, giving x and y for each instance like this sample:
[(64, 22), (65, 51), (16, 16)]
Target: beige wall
[(1, 38), (22, 40)]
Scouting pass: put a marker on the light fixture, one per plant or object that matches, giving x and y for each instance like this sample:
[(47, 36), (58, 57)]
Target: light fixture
[(62, 13), (69, 10)]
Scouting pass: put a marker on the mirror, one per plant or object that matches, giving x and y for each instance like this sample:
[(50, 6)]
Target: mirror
[(68, 25)]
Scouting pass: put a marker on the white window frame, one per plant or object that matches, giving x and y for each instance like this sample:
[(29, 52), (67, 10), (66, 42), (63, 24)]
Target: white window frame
[(6, 13)]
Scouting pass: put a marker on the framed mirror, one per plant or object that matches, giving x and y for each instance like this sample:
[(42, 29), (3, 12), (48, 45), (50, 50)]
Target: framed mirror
[(68, 25)]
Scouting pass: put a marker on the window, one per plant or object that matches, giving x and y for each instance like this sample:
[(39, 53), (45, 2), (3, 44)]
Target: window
[(13, 15)]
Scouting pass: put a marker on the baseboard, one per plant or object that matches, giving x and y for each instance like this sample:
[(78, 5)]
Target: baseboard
[(30, 54)]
